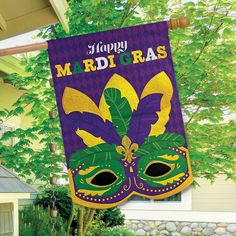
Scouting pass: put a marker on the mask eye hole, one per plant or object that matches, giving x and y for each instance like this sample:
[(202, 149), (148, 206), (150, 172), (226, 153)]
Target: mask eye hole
[(103, 179), (157, 169)]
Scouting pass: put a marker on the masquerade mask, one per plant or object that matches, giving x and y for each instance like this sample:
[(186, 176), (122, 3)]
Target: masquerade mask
[(128, 151)]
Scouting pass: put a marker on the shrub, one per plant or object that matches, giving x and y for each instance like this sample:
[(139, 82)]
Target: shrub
[(103, 219), (116, 231), (95, 229), (113, 217), (36, 221)]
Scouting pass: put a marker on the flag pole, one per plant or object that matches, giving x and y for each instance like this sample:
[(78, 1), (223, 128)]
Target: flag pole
[(181, 22)]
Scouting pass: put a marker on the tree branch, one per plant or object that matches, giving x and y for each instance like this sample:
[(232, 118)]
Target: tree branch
[(80, 221), (192, 116), (70, 219), (206, 43), (89, 218), (128, 13)]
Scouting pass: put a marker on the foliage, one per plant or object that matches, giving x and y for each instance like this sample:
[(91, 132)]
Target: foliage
[(112, 217), (63, 200), (117, 231), (204, 65), (104, 219), (36, 221), (97, 225), (91, 222)]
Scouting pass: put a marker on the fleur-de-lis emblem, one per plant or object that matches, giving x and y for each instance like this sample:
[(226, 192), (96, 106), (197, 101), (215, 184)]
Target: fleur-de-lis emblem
[(127, 149)]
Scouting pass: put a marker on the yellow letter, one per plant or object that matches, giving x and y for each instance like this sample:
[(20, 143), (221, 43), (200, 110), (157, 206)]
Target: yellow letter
[(63, 71), (89, 65), (161, 52), (138, 56), (111, 60)]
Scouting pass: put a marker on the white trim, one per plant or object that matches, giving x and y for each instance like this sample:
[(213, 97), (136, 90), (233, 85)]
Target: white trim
[(193, 216), (9, 197), (184, 204), (60, 7), (16, 218), (3, 24)]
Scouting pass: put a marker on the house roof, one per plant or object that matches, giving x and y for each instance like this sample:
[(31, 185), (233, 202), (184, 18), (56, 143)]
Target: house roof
[(11, 183), (10, 64), (18, 17)]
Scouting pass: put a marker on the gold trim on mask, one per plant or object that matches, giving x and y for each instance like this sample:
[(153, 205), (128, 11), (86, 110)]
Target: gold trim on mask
[(170, 180), (87, 192), (170, 157), (104, 186), (172, 166), (88, 170)]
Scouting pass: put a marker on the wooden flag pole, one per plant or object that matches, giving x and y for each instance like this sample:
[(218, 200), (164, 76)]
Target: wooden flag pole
[(181, 22)]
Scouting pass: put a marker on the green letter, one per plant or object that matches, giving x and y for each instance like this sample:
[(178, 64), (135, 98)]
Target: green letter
[(125, 58)]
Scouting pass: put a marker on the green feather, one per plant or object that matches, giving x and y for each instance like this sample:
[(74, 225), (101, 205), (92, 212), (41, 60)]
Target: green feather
[(100, 153), (120, 110), (156, 143)]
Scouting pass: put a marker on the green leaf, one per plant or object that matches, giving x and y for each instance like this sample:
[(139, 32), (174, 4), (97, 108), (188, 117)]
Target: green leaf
[(156, 143), (89, 156), (120, 110)]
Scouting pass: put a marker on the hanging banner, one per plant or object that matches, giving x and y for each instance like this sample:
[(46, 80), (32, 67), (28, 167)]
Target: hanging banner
[(120, 115)]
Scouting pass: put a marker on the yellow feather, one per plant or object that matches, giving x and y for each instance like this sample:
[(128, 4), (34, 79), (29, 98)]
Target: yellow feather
[(89, 139), (160, 84), (74, 100)]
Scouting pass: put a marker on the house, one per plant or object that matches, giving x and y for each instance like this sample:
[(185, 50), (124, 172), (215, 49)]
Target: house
[(29, 15), (205, 210), (12, 189)]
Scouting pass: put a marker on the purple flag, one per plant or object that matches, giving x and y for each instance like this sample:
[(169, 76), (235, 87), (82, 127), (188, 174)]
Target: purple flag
[(120, 115)]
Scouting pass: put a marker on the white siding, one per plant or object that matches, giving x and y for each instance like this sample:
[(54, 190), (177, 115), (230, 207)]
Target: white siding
[(217, 197)]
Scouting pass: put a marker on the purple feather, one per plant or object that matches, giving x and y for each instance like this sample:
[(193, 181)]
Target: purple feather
[(144, 117), (94, 125)]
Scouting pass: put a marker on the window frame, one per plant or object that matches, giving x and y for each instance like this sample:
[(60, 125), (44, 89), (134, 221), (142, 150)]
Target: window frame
[(13, 126), (184, 204)]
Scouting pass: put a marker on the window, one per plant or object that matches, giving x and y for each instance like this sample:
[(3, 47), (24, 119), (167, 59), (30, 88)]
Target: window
[(180, 201), (3, 129), (174, 198), (6, 219)]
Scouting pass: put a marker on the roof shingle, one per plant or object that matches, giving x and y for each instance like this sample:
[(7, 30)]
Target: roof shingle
[(11, 183)]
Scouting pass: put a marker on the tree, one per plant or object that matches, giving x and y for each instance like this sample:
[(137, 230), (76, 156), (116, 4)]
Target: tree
[(203, 58)]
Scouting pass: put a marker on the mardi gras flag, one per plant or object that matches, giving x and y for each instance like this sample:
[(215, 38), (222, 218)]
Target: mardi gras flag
[(120, 115)]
